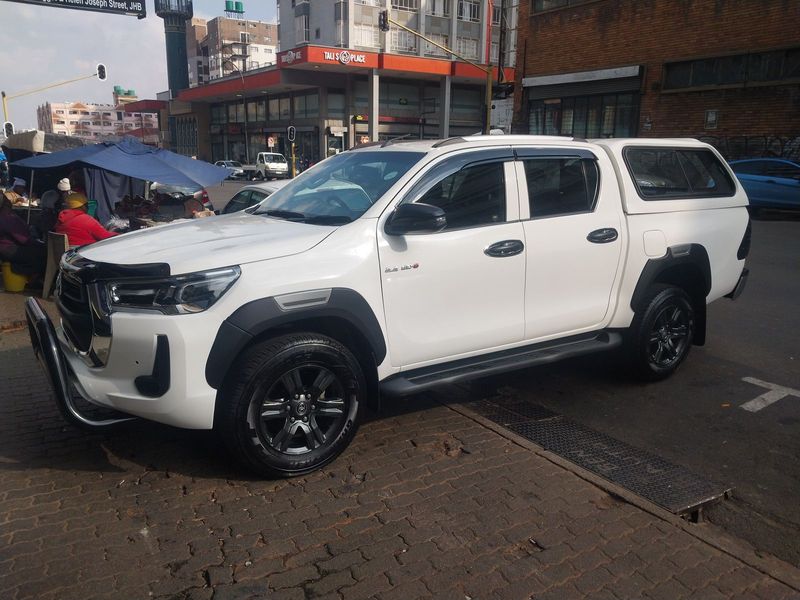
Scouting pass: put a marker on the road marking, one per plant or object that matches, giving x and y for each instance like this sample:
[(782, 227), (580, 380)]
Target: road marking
[(775, 393)]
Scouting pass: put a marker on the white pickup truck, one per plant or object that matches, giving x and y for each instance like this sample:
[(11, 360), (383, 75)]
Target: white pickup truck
[(391, 269)]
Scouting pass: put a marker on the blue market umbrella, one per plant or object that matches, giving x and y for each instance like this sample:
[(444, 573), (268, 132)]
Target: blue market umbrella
[(134, 159)]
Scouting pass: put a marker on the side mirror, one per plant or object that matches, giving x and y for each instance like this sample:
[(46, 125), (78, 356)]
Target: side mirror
[(415, 218)]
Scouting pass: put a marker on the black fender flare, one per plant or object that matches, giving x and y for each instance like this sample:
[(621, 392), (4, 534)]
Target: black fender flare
[(258, 316), (694, 255)]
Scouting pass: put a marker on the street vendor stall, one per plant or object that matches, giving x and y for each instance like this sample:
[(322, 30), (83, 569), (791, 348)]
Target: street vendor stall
[(117, 174)]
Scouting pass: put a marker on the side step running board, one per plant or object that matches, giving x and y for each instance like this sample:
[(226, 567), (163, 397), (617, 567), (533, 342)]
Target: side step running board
[(417, 380)]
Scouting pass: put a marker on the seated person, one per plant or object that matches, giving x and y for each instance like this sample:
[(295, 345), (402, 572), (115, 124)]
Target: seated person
[(51, 205), (79, 227), (16, 195), (16, 245)]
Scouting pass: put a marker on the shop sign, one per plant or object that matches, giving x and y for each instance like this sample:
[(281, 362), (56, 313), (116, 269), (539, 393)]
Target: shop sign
[(291, 56), (134, 8), (345, 57), (234, 129)]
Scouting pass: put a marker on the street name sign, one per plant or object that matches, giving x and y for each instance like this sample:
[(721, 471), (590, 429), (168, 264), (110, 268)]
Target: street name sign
[(134, 8)]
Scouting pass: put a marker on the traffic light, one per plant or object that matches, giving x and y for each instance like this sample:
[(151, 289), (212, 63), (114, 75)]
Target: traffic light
[(8, 128), (101, 71), (383, 20)]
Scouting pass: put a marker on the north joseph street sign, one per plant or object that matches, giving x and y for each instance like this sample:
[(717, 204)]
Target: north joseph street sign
[(134, 8)]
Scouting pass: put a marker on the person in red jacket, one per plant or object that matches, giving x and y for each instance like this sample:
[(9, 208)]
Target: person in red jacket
[(80, 228)]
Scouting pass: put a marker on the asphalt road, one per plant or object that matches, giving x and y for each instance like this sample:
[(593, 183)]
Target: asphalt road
[(695, 418)]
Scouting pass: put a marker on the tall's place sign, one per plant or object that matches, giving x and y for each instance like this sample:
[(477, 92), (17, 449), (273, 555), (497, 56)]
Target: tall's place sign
[(133, 8)]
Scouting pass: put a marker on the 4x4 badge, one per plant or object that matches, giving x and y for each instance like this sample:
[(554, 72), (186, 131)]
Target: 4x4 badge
[(401, 268)]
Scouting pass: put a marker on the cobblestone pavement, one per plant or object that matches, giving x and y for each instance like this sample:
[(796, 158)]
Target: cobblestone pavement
[(426, 503)]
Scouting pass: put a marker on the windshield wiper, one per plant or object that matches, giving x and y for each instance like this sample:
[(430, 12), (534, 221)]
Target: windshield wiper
[(289, 215)]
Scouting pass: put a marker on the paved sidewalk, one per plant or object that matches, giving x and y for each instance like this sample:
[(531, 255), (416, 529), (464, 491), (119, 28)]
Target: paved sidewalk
[(427, 503)]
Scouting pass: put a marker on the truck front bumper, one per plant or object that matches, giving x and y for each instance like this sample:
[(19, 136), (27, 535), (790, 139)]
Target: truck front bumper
[(147, 374)]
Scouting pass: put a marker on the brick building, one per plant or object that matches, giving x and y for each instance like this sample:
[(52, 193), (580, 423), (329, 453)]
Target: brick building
[(726, 71)]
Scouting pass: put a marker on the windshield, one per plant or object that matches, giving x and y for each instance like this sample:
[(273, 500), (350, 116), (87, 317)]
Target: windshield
[(233, 163), (340, 189), (279, 158)]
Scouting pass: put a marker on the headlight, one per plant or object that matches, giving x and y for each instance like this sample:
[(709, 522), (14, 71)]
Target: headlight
[(181, 294)]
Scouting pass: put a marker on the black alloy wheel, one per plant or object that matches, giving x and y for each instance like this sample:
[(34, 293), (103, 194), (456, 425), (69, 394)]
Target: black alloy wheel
[(661, 334), (669, 336), (292, 404)]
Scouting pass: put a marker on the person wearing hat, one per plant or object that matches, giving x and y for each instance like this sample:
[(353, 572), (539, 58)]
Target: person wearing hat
[(16, 195), (79, 227)]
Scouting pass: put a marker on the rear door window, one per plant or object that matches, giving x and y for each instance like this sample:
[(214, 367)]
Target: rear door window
[(669, 173), (561, 186)]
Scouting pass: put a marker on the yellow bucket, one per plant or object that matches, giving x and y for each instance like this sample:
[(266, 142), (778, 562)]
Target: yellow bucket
[(12, 281)]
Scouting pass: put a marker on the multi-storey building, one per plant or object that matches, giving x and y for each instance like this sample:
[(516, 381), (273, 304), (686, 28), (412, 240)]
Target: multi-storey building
[(340, 80), (725, 72), (223, 46), (98, 121)]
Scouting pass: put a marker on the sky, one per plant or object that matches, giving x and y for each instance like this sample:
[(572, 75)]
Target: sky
[(44, 45)]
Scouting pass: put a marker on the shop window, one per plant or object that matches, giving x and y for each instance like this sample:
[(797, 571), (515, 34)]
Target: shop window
[(336, 104), (218, 114), (779, 65), (273, 112), (286, 108), (609, 115)]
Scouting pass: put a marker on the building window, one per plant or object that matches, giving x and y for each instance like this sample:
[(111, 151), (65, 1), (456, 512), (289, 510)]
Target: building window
[(609, 115), (439, 38), (73, 112), (495, 15), (306, 106), (403, 41), (59, 112), (369, 2), (779, 65), (545, 5), (409, 5), (244, 37), (439, 8), (494, 52), (469, 10), (367, 35), (467, 47), (301, 29)]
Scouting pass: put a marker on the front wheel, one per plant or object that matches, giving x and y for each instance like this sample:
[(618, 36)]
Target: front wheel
[(661, 333), (292, 405)]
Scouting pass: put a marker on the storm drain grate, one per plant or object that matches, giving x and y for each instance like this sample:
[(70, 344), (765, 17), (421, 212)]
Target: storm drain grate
[(668, 485)]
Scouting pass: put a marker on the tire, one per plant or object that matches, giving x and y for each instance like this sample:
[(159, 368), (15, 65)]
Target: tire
[(661, 333), (310, 391)]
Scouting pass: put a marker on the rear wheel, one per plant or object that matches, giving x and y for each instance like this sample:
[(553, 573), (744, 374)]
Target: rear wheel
[(661, 332), (293, 404)]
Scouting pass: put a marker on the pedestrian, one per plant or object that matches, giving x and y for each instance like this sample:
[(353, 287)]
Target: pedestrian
[(16, 244), (80, 228)]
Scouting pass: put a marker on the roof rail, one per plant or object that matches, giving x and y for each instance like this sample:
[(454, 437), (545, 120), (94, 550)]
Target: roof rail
[(394, 140), (448, 141)]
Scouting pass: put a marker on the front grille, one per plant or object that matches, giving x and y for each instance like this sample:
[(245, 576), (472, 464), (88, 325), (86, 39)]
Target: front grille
[(76, 317)]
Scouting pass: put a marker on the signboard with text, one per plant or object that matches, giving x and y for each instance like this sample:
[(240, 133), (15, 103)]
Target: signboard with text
[(134, 8)]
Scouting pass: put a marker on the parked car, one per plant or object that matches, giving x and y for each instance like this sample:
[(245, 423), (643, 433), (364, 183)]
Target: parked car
[(182, 193), (769, 182), (234, 167), (271, 165), (392, 269), (250, 195)]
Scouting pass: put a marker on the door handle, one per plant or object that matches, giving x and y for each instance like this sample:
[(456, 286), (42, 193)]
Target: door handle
[(603, 236), (504, 248)]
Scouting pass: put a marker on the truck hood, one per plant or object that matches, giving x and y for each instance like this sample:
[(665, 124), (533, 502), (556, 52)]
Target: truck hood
[(209, 243)]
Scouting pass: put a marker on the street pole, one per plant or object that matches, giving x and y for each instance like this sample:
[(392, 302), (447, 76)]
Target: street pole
[(244, 108), (7, 97)]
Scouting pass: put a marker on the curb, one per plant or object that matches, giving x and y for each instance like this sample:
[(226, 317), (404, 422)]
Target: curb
[(768, 565)]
